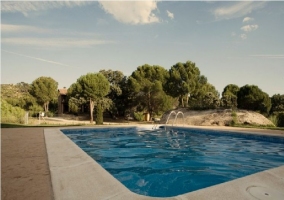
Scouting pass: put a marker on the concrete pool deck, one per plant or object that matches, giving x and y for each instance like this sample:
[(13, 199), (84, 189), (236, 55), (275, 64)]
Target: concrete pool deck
[(75, 175)]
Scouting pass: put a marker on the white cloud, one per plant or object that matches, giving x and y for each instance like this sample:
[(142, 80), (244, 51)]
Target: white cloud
[(249, 28), (29, 6), (54, 42), (132, 12), (170, 15), (269, 56), (233, 34), (237, 9), (40, 59), (243, 36), (248, 19), (9, 28)]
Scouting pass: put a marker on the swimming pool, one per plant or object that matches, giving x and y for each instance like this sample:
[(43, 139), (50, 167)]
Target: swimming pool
[(168, 163)]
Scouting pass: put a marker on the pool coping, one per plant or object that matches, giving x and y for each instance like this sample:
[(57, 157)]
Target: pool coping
[(75, 175)]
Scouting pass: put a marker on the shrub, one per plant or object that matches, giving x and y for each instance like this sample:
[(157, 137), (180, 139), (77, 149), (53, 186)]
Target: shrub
[(280, 118), (274, 119), (99, 115), (139, 116), (234, 118), (11, 114), (34, 110)]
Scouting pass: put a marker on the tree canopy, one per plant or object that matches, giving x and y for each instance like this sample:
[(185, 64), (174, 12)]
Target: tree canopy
[(277, 102), (146, 84), (250, 97), (116, 80), (183, 81), (93, 87), (229, 96), (150, 88), (44, 89)]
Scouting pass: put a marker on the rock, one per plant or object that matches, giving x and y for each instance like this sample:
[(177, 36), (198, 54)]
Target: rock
[(218, 117)]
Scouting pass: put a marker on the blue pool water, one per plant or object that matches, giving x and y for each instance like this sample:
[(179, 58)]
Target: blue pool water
[(164, 163)]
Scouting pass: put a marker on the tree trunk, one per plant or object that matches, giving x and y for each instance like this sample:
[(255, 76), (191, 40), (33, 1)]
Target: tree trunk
[(187, 100), (149, 103), (182, 103), (45, 106), (91, 111)]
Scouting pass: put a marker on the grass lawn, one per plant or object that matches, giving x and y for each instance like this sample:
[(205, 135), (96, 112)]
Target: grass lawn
[(260, 127)]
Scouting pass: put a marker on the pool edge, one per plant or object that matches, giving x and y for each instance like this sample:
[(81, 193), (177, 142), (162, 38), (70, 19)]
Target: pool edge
[(75, 175)]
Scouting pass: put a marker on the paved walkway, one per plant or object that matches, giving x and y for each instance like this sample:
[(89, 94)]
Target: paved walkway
[(24, 167)]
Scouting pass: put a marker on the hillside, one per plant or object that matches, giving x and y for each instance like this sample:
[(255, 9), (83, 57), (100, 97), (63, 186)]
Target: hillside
[(220, 117), (14, 91)]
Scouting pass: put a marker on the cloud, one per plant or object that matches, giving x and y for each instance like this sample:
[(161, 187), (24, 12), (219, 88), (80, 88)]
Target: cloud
[(243, 36), (102, 22), (10, 28), (238, 9), (269, 56), (54, 42), (30, 6), (249, 28), (40, 59), (248, 19), (170, 15), (131, 12)]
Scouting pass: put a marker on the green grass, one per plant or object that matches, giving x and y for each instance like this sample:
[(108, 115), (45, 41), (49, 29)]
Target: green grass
[(258, 126)]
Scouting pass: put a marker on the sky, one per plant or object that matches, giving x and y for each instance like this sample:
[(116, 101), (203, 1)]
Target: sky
[(231, 42)]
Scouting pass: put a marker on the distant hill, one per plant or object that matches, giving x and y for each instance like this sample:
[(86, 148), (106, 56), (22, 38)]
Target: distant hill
[(14, 90)]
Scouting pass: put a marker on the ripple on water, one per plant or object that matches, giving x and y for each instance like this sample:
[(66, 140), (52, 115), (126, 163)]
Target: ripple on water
[(163, 164)]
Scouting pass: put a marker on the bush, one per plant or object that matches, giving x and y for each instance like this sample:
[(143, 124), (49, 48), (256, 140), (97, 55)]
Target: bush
[(234, 118), (49, 114), (11, 114), (274, 119), (34, 110), (99, 115), (280, 118), (139, 116)]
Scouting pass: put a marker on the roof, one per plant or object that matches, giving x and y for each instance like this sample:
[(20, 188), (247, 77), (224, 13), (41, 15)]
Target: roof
[(62, 91)]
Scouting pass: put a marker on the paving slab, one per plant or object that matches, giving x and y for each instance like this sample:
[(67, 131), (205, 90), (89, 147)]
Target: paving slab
[(24, 166)]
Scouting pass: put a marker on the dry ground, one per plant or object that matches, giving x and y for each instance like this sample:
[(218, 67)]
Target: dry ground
[(24, 166)]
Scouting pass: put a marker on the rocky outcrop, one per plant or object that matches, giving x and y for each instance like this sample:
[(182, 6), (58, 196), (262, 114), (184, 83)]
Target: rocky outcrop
[(218, 117)]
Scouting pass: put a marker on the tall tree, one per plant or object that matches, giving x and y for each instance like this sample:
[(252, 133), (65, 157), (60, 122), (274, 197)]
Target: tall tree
[(231, 89), (147, 82), (277, 102), (229, 96), (205, 96), (250, 97), (93, 87), (116, 79), (44, 89), (183, 81)]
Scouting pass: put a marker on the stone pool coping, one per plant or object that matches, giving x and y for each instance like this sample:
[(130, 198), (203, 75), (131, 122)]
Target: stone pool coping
[(75, 175)]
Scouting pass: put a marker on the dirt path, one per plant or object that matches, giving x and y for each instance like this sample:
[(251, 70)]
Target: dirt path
[(24, 166)]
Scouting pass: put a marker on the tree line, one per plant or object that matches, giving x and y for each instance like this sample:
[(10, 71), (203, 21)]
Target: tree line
[(149, 89)]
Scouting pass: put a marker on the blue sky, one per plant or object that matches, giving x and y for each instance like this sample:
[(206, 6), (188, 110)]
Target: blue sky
[(236, 42)]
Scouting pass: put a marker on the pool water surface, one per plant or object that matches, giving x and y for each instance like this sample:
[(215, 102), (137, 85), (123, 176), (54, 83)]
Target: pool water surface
[(165, 163)]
